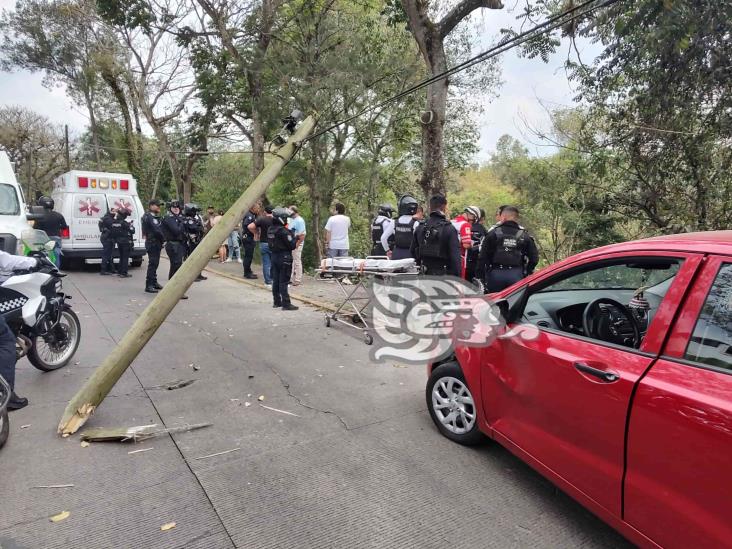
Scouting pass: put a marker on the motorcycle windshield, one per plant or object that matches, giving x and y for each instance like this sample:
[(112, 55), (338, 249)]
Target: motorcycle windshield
[(34, 239)]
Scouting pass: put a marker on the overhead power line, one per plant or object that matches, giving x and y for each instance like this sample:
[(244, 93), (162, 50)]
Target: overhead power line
[(543, 28)]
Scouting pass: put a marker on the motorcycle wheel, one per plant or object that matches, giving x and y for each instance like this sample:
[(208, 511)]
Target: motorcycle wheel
[(51, 355), (4, 427)]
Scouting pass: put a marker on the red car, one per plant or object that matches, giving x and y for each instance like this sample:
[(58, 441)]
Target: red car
[(623, 397)]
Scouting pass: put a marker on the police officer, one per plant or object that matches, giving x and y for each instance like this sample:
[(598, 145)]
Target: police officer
[(154, 241), (404, 227), (174, 232), (52, 223), (477, 234), (281, 242), (105, 224), (436, 245), (508, 253), (382, 229), (194, 230), (247, 239), (120, 232)]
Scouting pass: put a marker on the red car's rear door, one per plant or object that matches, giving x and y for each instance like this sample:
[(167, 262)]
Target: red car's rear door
[(678, 485), (548, 397)]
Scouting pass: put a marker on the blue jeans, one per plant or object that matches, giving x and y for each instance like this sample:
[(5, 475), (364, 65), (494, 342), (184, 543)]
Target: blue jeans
[(334, 252), (266, 262), (233, 243)]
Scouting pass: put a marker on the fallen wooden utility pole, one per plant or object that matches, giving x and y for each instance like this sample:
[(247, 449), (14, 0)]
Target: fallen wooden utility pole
[(83, 404)]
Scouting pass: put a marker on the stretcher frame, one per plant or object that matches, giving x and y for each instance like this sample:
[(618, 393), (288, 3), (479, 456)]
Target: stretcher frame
[(363, 277)]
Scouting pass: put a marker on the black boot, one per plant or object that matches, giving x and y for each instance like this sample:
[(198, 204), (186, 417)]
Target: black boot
[(151, 289), (290, 307), (16, 402), (157, 286)]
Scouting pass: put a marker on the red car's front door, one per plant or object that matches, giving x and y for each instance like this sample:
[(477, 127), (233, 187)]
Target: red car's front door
[(563, 398), (678, 485)]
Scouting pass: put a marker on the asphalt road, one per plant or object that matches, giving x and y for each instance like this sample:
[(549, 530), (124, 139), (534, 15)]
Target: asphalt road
[(359, 464)]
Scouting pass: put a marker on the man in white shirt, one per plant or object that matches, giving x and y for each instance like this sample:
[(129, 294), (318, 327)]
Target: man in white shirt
[(336, 233), (8, 264)]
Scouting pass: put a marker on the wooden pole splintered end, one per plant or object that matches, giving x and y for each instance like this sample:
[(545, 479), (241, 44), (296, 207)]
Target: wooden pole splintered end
[(83, 404)]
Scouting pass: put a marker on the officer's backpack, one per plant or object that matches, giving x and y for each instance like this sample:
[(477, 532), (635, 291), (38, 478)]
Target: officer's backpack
[(509, 248), (431, 241)]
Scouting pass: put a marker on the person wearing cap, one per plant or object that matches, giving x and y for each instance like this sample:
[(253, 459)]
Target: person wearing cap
[(154, 241), (105, 223), (259, 229), (297, 225), (477, 233), (463, 223), (121, 231), (508, 253), (174, 230)]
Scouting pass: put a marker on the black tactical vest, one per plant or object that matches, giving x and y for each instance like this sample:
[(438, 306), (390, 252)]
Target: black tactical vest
[(509, 248), (377, 229), (403, 234)]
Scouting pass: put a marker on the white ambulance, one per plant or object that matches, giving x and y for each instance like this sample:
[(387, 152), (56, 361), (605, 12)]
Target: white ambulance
[(13, 211), (83, 197)]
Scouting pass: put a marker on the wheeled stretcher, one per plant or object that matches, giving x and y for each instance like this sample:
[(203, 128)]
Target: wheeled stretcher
[(353, 276)]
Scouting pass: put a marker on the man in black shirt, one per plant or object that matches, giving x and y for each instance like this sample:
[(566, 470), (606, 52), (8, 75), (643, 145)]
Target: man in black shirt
[(248, 240), (436, 245), (174, 231), (105, 224), (154, 239), (120, 232), (52, 223), (477, 233), (281, 242), (260, 228)]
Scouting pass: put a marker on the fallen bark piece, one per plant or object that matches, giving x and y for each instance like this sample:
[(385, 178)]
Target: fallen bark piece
[(55, 486), (219, 453), (141, 432), (280, 411), (261, 398), (25, 426), (167, 526), (84, 444), (106, 375), (178, 384), (61, 516), (138, 451)]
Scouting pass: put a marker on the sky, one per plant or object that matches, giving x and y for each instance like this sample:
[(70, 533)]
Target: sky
[(529, 86)]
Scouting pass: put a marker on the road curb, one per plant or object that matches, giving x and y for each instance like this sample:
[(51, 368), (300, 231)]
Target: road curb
[(297, 297)]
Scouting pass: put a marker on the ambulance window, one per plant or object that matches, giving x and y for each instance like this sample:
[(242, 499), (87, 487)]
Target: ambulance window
[(88, 206), (9, 204)]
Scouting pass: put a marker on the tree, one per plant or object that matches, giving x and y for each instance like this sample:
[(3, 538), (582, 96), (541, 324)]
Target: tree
[(54, 37), (430, 36)]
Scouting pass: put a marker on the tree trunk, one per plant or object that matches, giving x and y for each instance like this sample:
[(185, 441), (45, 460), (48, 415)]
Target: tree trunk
[(93, 128), (134, 163), (91, 395), (258, 139)]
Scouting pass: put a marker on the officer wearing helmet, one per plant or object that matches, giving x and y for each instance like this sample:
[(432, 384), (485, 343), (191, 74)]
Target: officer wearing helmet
[(120, 233), (154, 240), (52, 223), (508, 252), (382, 229), (281, 243), (194, 229), (174, 231), (404, 227)]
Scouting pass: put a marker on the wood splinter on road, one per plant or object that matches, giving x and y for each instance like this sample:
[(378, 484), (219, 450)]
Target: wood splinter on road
[(83, 404)]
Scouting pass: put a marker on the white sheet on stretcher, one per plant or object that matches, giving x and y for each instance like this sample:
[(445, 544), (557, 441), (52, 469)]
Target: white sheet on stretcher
[(368, 265)]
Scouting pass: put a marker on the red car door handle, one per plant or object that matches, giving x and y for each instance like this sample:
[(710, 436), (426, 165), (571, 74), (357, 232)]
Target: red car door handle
[(607, 377)]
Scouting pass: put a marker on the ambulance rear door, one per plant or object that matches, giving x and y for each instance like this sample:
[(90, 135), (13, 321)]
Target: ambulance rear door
[(127, 201), (86, 210)]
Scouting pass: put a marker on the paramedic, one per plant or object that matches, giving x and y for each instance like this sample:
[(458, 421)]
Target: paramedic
[(436, 245), (154, 240)]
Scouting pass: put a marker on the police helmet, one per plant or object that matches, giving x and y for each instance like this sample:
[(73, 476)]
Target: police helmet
[(281, 214), (474, 211), (174, 204), (408, 205), (386, 210), (46, 202), (191, 209)]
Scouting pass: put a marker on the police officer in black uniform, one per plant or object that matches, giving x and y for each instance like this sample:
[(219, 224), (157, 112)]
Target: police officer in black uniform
[(281, 243), (247, 240), (382, 224), (508, 253), (175, 237), (154, 241), (477, 233), (194, 230), (436, 245), (105, 225), (404, 227), (120, 232)]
